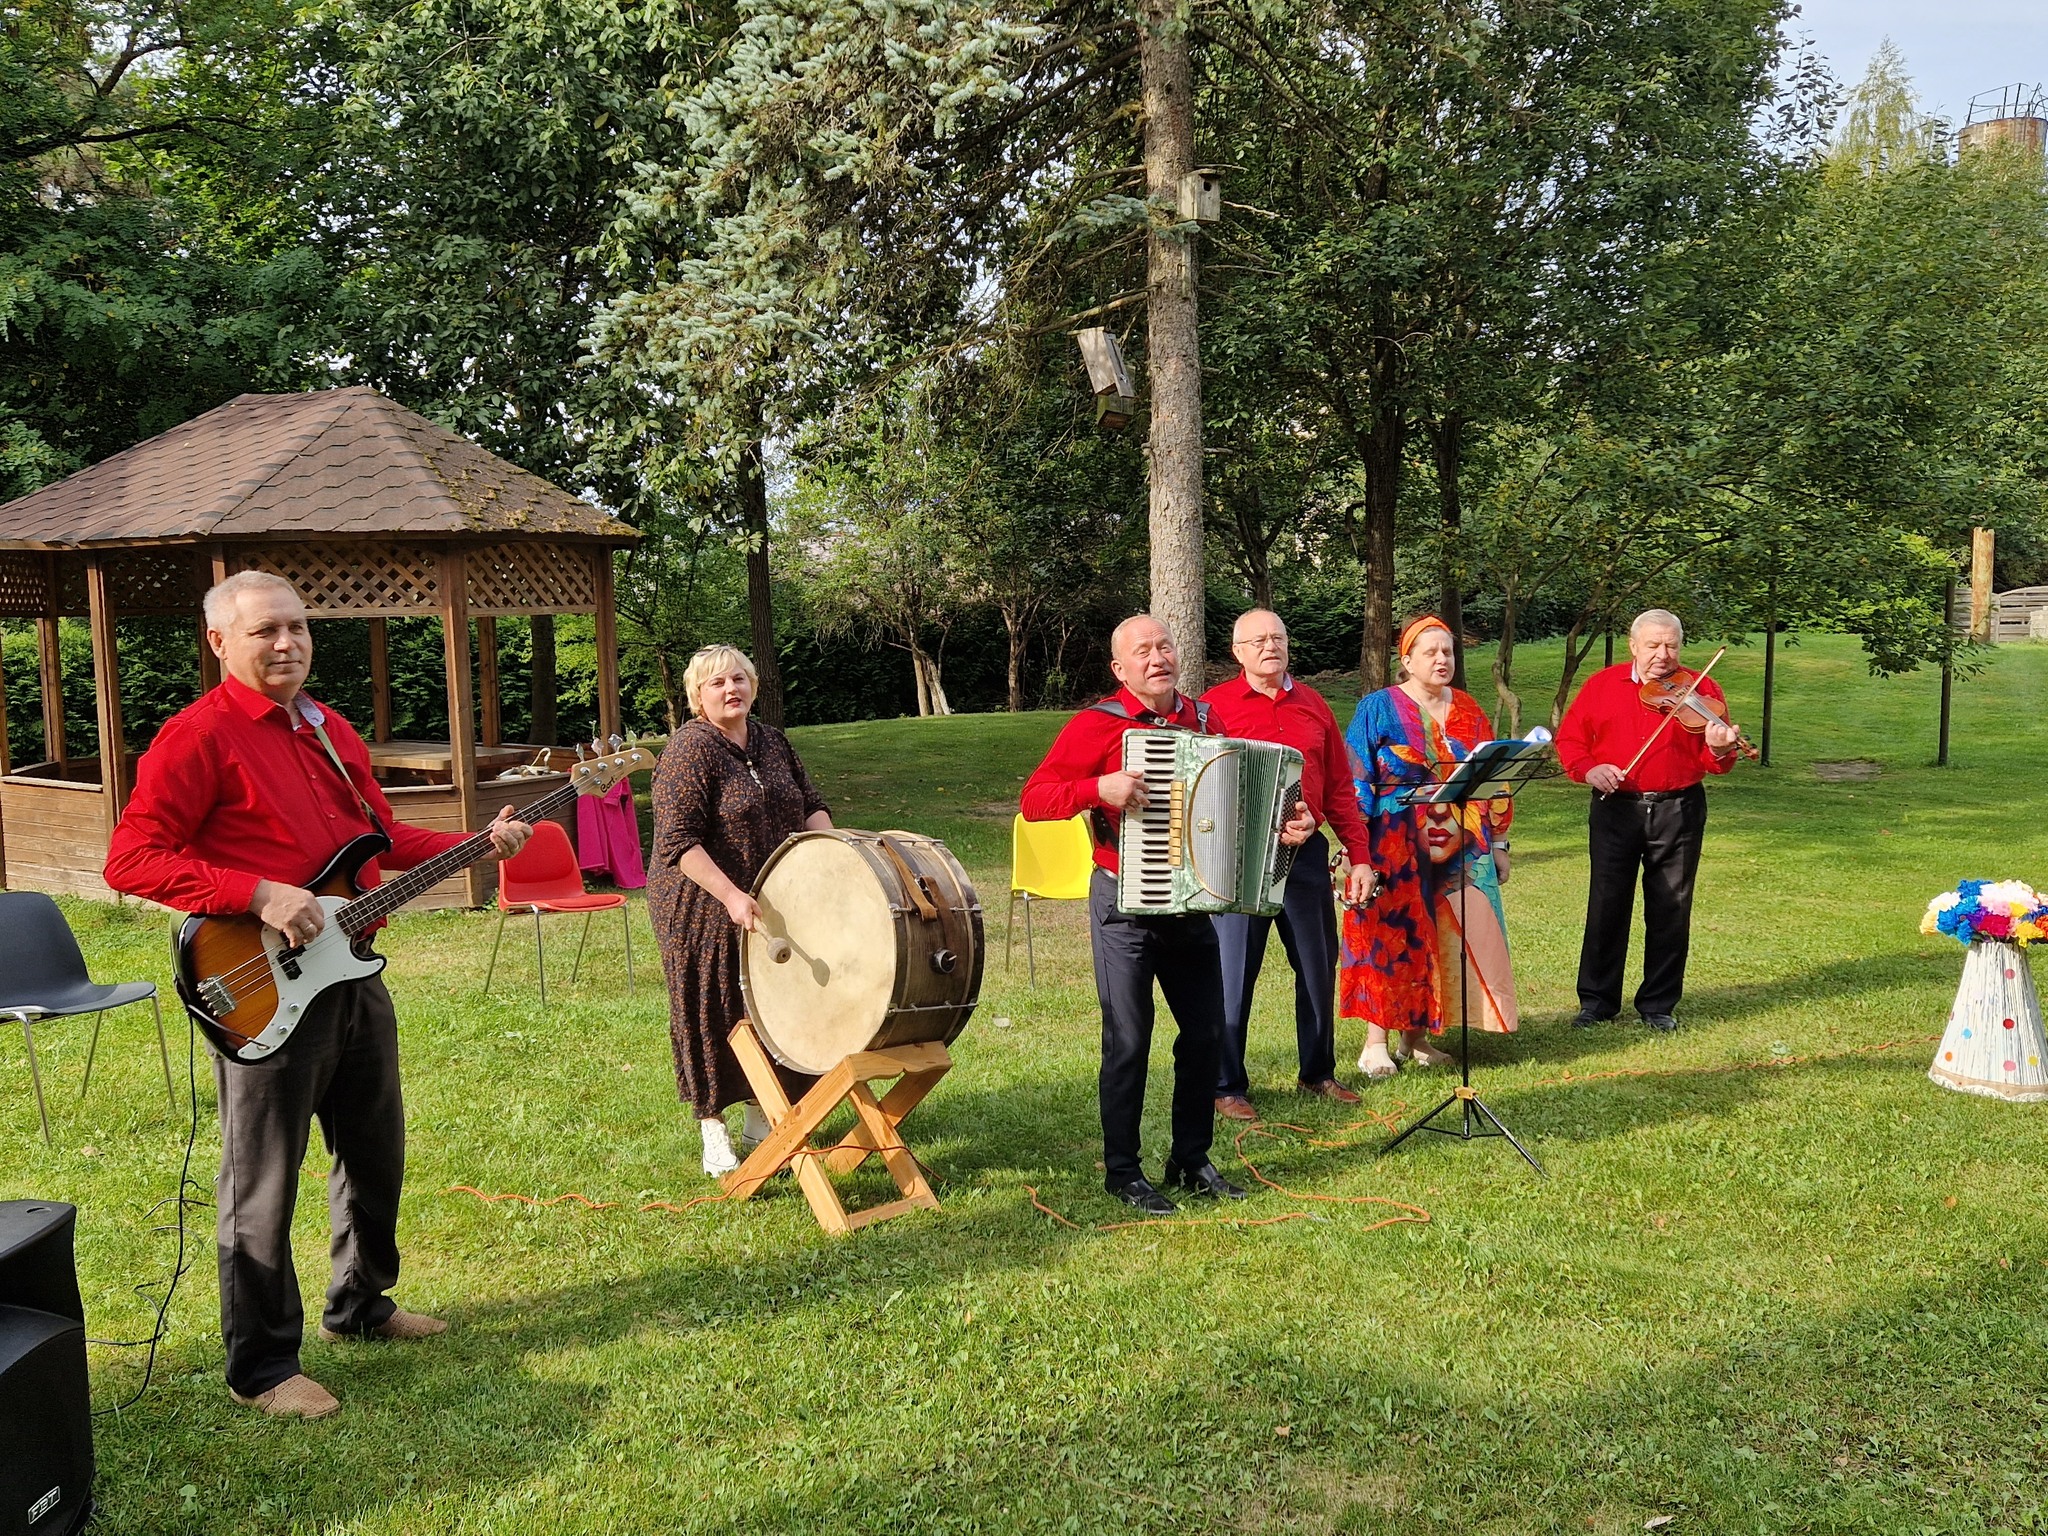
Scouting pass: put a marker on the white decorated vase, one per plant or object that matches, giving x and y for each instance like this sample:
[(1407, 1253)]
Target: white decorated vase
[(1994, 1044)]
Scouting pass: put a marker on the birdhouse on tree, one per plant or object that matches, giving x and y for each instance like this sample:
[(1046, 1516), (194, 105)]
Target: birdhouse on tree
[(1201, 195), (1116, 401)]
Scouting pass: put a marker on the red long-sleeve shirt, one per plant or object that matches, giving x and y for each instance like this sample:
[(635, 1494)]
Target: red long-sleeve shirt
[(1609, 722), (1300, 718), (234, 791), (1087, 747)]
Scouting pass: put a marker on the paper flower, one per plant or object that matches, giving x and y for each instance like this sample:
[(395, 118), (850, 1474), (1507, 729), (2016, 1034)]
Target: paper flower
[(2009, 911)]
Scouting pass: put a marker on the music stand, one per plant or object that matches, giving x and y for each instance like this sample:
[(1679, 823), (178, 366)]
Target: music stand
[(1495, 770)]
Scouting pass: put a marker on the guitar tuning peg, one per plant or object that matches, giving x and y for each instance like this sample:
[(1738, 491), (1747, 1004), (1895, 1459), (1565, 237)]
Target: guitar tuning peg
[(617, 744), (579, 751)]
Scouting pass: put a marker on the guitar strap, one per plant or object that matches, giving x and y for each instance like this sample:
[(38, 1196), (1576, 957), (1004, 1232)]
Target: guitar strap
[(335, 758)]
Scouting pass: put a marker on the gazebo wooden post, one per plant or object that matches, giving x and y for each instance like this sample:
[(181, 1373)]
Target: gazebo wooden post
[(461, 700), (488, 696), (50, 666), (607, 644), (542, 731), (380, 682), (203, 568), (106, 676)]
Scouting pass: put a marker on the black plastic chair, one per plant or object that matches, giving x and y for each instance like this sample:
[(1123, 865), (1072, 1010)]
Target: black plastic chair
[(43, 976)]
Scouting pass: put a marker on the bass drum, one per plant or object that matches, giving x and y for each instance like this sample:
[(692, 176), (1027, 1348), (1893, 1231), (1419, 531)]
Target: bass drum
[(867, 939)]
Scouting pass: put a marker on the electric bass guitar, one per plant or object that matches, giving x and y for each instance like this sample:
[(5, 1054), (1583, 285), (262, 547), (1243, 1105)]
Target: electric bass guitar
[(248, 988)]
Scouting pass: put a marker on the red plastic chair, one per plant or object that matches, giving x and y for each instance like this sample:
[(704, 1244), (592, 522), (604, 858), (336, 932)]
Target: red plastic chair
[(543, 877)]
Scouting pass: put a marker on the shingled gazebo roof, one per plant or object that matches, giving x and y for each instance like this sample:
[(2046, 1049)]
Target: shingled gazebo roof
[(330, 464)]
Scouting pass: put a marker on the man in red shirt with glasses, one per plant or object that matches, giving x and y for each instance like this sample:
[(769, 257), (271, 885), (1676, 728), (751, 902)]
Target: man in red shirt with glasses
[(240, 800), (1264, 703)]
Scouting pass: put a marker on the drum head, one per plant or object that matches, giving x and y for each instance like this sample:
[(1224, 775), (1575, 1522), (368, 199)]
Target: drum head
[(830, 996)]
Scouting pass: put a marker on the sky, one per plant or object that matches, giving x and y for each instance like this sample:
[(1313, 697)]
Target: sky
[(1955, 49)]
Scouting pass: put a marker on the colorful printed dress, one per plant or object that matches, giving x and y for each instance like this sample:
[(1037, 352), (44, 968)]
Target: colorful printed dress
[(1399, 951)]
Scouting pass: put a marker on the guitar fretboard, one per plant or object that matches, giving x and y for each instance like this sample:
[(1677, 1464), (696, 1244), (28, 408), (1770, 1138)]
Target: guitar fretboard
[(373, 907)]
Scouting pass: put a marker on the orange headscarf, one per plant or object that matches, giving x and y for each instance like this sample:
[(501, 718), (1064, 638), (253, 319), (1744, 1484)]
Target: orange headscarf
[(1417, 629)]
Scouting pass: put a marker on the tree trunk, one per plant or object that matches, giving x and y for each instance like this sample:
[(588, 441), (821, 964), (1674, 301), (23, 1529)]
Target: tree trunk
[(1448, 439), (1508, 718), (1013, 626), (674, 705), (935, 687), (1172, 350), (753, 487), (1382, 458), (917, 676), (1575, 653), (542, 673)]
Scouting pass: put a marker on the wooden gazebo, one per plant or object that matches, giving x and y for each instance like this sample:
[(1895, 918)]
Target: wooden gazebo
[(373, 513)]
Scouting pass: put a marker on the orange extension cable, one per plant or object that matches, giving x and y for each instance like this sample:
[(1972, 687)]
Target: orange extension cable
[(1387, 1122)]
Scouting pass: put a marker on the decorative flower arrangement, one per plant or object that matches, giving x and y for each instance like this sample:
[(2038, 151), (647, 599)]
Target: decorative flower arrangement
[(2010, 910)]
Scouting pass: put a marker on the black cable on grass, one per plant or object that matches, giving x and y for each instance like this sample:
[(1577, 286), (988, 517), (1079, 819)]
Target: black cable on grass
[(185, 1201)]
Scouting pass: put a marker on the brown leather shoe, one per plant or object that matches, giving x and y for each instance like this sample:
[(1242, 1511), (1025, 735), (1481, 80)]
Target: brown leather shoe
[(296, 1397), (1235, 1106), (399, 1325), (1330, 1088)]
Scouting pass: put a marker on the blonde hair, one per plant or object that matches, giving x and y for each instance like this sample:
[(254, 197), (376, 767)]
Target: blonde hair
[(707, 664)]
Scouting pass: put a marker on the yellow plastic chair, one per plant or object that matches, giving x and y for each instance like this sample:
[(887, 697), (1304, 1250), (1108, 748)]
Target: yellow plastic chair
[(1049, 861)]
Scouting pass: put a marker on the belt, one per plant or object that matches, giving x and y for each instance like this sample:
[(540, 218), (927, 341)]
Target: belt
[(1651, 796)]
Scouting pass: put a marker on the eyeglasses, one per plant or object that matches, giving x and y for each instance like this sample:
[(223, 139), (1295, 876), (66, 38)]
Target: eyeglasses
[(1262, 642)]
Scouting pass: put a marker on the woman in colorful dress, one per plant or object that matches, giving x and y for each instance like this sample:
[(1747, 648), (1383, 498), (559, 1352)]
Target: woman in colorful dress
[(727, 791), (1399, 969)]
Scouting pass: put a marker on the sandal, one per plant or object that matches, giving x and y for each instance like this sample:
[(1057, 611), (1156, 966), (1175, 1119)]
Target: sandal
[(1375, 1063)]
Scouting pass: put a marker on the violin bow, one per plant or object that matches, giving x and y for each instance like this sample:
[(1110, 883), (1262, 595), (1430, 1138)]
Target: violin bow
[(1691, 692)]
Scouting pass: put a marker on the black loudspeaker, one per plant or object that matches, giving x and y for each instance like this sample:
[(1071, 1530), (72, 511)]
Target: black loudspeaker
[(46, 1463), (36, 1264)]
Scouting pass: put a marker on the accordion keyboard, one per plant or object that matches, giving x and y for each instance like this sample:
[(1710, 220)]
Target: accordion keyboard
[(1149, 849)]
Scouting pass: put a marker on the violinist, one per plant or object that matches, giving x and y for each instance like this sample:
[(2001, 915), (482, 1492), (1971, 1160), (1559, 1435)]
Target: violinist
[(1649, 813)]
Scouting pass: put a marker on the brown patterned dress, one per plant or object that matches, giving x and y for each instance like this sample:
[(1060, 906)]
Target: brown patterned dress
[(738, 806)]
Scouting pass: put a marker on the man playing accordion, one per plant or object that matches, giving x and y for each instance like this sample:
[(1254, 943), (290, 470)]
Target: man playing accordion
[(1083, 772)]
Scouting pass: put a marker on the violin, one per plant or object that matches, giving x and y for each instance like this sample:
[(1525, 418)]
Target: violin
[(1678, 697)]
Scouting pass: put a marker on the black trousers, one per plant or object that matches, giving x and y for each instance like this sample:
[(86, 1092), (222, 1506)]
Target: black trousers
[(341, 1067), (1660, 838), (1308, 932), (1130, 953)]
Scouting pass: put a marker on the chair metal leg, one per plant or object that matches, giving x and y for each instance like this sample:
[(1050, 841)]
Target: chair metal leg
[(35, 1075), (496, 939), (91, 1050), (163, 1051), (1030, 949), (582, 939), (540, 958), (626, 922), (1010, 933)]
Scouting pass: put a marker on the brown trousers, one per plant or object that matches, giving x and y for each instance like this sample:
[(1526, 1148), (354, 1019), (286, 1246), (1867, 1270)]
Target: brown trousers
[(341, 1067)]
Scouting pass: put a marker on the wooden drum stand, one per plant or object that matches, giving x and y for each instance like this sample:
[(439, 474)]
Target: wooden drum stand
[(916, 1069)]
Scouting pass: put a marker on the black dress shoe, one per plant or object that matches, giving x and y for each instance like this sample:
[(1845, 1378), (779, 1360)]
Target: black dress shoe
[(1204, 1181), (1586, 1018), (1663, 1023), (1140, 1193)]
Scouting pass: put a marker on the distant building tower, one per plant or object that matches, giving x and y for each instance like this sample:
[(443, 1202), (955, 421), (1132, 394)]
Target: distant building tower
[(2016, 115)]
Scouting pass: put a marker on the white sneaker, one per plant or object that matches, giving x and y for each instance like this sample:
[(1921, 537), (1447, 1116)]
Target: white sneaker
[(754, 1128), (719, 1159)]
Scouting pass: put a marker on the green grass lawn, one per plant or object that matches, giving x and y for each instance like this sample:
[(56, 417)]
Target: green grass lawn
[(1806, 1296)]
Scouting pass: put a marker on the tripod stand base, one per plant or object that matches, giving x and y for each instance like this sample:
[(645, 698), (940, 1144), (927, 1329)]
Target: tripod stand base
[(1473, 1110)]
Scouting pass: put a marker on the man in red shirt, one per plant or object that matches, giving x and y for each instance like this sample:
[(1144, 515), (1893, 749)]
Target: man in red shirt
[(1263, 703), (1083, 771), (1650, 818), (239, 802)]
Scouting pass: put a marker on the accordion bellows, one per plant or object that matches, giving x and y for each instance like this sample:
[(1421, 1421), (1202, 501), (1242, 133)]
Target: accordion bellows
[(1208, 839), (1994, 1043)]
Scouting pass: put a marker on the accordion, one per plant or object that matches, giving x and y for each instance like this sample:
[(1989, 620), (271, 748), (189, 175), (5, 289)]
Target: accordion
[(1208, 839)]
